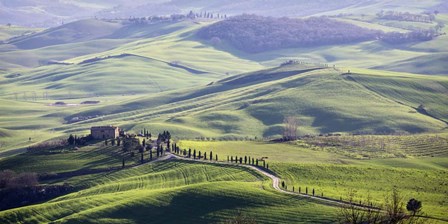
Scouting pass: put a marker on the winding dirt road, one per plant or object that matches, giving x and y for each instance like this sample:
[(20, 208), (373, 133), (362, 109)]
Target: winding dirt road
[(275, 181)]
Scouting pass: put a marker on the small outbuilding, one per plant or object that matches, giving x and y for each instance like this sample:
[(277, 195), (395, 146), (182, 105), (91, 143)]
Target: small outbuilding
[(105, 132)]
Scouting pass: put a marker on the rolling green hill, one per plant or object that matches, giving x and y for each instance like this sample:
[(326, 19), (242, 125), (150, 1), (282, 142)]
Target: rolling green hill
[(252, 104), (168, 192), (323, 99)]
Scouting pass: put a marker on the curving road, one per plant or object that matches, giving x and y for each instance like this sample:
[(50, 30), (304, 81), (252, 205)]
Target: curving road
[(275, 181)]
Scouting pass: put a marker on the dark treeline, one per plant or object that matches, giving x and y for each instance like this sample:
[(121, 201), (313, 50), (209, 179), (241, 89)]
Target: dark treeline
[(254, 34), (406, 16), (175, 17), (416, 35), (19, 189)]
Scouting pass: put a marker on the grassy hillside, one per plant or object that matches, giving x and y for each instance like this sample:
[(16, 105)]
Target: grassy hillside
[(248, 105), (329, 170), (198, 193), (324, 100), (7, 32)]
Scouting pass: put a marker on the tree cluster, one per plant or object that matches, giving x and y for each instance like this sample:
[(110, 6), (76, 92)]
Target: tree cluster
[(406, 16), (414, 36), (47, 146), (392, 213), (176, 17), (11, 179), (15, 197), (75, 140), (253, 34), (248, 160), (145, 133), (164, 136)]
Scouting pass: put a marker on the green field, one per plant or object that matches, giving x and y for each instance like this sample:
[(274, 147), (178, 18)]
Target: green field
[(334, 174), (196, 192)]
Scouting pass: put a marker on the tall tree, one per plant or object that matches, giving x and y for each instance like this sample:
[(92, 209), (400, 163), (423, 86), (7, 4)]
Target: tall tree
[(290, 128), (71, 140)]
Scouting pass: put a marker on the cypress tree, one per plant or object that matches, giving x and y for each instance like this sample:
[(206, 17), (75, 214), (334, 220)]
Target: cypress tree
[(150, 154), (241, 160), (256, 163), (267, 166), (205, 155), (71, 140), (216, 155), (245, 159), (293, 189), (228, 159), (194, 154), (211, 155), (300, 190), (236, 159), (264, 163), (199, 157), (313, 191), (189, 153), (253, 161), (306, 190)]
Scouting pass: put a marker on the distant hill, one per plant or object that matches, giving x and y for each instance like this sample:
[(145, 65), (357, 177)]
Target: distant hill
[(47, 13), (78, 31)]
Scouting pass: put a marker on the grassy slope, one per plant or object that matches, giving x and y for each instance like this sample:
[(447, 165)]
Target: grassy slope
[(334, 174), (198, 193), (252, 104), (255, 104), (7, 32)]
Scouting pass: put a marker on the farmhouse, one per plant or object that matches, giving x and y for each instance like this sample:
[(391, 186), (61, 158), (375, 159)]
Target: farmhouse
[(105, 132)]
